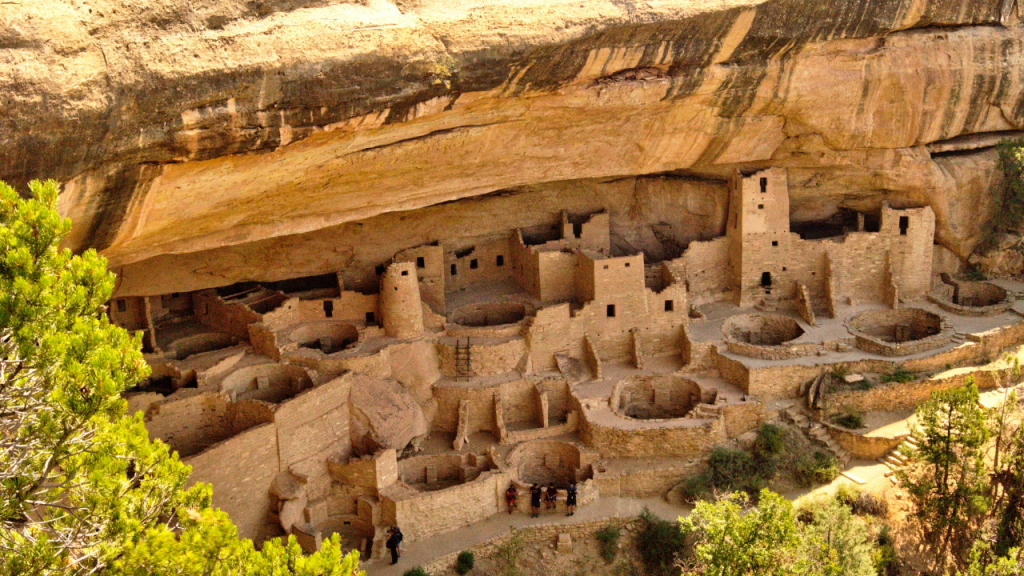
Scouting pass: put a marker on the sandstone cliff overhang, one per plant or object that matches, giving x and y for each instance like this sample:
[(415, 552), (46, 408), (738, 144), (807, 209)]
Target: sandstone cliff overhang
[(182, 127)]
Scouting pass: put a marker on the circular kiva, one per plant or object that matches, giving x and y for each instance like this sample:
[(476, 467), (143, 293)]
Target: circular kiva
[(489, 314), (655, 397), (761, 329)]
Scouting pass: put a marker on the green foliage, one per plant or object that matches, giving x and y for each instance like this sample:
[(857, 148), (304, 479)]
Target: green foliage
[(464, 562), (609, 539), (696, 487), (847, 493), (732, 469), (770, 441), (947, 479), (418, 571), (836, 543), (819, 468), (900, 375), (839, 372), (851, 420), (1008, 195), (82, 489), (984, 563), (508, 554), (884, 559), (975, 275), (729, 542), (659, 543)]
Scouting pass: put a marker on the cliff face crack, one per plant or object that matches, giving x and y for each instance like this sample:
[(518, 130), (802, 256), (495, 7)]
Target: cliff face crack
[(427, 136)]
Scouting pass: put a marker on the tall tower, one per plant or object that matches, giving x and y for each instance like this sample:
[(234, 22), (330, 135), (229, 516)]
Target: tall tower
[(400, 305), (758, 231)]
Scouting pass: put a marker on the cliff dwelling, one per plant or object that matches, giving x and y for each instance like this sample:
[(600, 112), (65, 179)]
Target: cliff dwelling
[(413, 390)]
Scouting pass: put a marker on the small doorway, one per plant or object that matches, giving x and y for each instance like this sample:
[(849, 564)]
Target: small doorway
[(766, 279)]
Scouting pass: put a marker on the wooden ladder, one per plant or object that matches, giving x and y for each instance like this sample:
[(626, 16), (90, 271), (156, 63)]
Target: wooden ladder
[(462, 360)]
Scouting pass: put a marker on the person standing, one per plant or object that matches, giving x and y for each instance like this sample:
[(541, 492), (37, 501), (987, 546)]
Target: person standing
[(394, 543), (570, 499), (535, 493)]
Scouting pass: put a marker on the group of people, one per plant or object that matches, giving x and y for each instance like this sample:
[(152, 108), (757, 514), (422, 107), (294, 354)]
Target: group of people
[(549, 496)]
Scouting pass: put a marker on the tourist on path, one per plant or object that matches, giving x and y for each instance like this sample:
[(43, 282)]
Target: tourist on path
[(511, 494), (570, 499), (393, 544), (551, 497), (535, 492)]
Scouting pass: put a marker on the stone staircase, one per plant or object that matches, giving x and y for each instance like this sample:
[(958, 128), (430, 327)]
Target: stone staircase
[(960, 337), (817, 433), (706, 411), (898, 457)]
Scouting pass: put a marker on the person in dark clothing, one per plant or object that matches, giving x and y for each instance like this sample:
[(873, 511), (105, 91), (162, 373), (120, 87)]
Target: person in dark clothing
[(570, 499), (535, 492), (550, 497), (511, 494), (393, 544)]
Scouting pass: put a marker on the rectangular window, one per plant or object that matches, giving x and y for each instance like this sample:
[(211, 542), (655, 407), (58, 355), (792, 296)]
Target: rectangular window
[(473, 264), (764, 185), (371, 318), (627, 264), (760, 206), (611, 310), (669, 306), (775, 242), (904, 225), (405, 272), (328, 308), (454, 270), (121, 305), (420, 262), (500, 260)]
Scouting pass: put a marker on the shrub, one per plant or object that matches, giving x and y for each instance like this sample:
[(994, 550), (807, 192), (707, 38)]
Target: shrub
[(1009, 194), (852, 420), (417, 571), (819, 468), (609, 539), (771, 439), (900, 375), (659, 542), (840, 372), (975, 275), (847, 494), (696, 487), (868, 504), (464, 562), (884, 557), (732, 469), (507, 555)]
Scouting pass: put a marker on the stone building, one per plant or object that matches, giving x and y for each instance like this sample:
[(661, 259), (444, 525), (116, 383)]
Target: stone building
[(415, 398)]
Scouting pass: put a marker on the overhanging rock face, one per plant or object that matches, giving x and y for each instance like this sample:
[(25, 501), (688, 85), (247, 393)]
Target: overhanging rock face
[(185, 129)]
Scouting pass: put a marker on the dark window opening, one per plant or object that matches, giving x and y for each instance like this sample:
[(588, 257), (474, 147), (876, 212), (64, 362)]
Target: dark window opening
[(121, 305), (784, 268), (206, 307), (500, 260), (669, 306), (474, 264), (605, 266), (371, 318), (420, 262), (904, 225), (775, 242), (764, 185), (405, 272), (760, 206), (577, 229), (611, 310), (379, 269), (627, 264), (454, 270), (843, 221), (766, 279), (328, 308)]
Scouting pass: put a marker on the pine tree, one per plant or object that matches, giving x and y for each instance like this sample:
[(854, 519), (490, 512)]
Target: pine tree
[(82, 488)]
